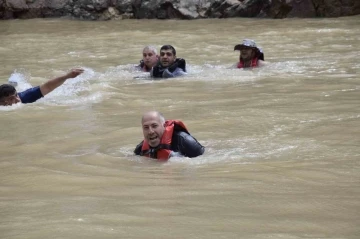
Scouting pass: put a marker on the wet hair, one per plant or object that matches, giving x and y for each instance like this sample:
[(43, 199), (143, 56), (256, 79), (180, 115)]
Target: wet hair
[(161, 116), (168, 47), (150, 48), (6, 90), (158, 114)]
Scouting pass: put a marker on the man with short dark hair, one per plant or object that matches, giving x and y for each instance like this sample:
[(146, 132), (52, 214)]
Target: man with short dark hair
[(9, 95), (166, 138), (168, 65)]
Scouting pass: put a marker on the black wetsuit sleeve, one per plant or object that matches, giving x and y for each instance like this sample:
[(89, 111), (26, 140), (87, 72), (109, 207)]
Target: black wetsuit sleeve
[(138, 147), (188, 145)]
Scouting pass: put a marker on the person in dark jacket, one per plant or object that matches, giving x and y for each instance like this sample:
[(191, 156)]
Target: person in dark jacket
[(9, 95), (168, 66), (166, 138)]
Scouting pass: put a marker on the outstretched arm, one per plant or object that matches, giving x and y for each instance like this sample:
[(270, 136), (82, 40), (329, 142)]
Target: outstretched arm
[(51, 85)]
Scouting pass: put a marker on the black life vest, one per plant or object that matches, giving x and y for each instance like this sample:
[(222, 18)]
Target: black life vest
[(158, 70)]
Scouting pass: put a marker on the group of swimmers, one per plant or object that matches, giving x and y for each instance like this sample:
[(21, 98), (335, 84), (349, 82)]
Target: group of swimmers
[(162, 138), (166, 64), (167, 138)]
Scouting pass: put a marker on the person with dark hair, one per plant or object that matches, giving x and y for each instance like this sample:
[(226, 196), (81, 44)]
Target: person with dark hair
[(9, 95), (168, 65), (150, 58), (166, 138), (250, 54)]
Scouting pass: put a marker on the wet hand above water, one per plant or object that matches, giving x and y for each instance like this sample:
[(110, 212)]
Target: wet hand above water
[(74, 72)]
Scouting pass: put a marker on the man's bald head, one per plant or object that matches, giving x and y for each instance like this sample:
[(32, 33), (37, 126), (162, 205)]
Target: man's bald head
[(153, 114), (153, 126)]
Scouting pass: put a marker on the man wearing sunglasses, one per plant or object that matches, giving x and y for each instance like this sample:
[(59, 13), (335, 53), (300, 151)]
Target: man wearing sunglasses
[(9, 95), (168, 65)]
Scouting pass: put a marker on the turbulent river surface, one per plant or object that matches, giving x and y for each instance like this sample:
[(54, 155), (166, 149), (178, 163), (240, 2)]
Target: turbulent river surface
[(282, 141)]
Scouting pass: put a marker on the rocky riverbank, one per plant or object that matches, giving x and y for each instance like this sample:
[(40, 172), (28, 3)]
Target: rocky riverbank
[(179, 9)]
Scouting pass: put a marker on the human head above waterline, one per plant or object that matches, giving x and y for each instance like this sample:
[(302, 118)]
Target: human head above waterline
[(150, 56), (153, 126), (8, 95), (168, 47), (246, 43), (248, 49), (151, 49), (167, 55)]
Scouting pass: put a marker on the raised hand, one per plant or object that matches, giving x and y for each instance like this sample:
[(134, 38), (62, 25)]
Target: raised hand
[(74, 73)]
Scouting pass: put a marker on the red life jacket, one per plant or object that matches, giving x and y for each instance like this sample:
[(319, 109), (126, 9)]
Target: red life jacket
[(254, 63), (164, 148)]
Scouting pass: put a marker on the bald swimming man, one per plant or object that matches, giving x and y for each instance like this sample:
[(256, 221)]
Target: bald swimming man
[(166, 138)]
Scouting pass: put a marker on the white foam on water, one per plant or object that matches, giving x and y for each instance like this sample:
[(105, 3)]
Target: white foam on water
[(239, 151), (87, 88), (11, 107), (83, 89), (19, 79)]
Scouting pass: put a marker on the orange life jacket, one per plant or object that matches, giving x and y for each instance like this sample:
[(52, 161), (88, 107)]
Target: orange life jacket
[(164, 148), (254, 63)]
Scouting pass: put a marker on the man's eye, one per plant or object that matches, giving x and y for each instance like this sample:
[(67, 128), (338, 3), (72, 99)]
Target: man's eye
[(166, 53)]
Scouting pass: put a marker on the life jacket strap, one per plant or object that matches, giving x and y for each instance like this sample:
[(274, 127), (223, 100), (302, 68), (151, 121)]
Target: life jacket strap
[(151, 151)]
